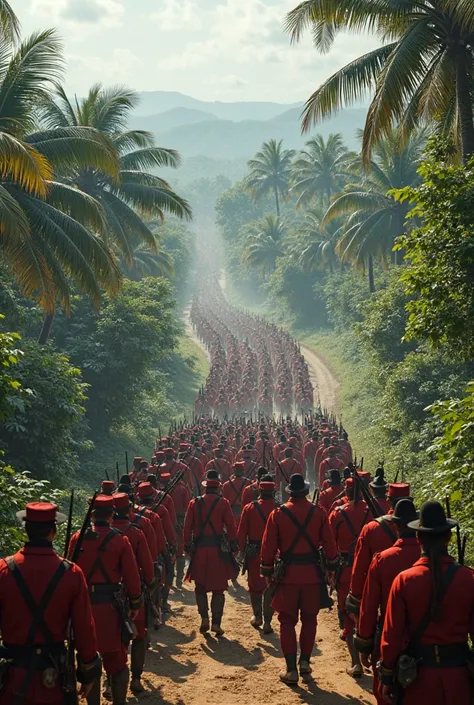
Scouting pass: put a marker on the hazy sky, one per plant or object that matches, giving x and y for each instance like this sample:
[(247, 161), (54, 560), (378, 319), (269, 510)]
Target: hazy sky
[(210, 49)]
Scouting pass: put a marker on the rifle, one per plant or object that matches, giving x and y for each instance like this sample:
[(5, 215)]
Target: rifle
[(171, 487), (396, 476), (459, 541), (285, 476), (84, 527), (118, 472), (107, 475), (69, 525), (126, 461), (316, 494), (370, 500)]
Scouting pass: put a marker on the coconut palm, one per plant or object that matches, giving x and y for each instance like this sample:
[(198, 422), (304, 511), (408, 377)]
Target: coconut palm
[(270, 172), (374, 219), (320, 170), (264, 243), (424, 73), (9, 24), (43, 223), (316, 247), (136, 192)]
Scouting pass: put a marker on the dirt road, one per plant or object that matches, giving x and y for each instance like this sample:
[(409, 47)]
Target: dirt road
[(186, 668), (324, 382)]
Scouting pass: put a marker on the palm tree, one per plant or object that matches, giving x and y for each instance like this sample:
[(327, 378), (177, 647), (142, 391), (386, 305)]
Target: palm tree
[(320, 170), (136, 192), (264, 243), (316, 248), (424, 73), (270, 172), (43, 223), (9, 24), (374, 219)]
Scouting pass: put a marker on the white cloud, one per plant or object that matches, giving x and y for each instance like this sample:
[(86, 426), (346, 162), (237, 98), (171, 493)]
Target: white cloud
[(176, 15), (108, 13)]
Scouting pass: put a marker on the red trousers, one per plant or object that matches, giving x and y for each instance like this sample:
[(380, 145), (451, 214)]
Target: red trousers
[(140, 623), (292, 601), (256, 583), (440, 686), (342, 593)]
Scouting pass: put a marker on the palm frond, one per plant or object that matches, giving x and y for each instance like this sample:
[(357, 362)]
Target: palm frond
[(22, 163), (133, 139), (154, 200), (150, 157)]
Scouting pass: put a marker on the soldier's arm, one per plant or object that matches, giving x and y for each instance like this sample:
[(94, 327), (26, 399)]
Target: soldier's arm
[(188, 524), (168, 527), (130, 574), (145, 561), (160, 538), (170, 506), (242, 531), (328, 542), (81, 618), (394, 631), (369, 609), (229, 523), (362, 559), (270, 545), (150, 535)]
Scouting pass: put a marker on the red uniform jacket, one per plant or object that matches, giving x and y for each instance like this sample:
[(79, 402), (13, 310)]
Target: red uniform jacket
[(250, 468), (162, 516), (375, 536), (195, 475), (140, 547), (329, 464), (250, 493), (144, 525), (408, 602), (173, 467), (310, 449), (278, 449), (383, 570), (280, 532), (168, 502), (251, 529), (233, 491), (290, 466), (119, 565), (267, 458), (346, 524), (180, 498), (70, 601), (207, 568), (223, 467), (328, 497)]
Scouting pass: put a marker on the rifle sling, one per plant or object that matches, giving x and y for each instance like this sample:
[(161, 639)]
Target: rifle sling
[(207, 520), (302, 530), (98, 565)]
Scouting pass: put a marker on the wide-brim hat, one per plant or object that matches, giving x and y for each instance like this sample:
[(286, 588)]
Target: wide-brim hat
[(404, 512), (41, 512), (211, 479), (298, 487), (433, 520)]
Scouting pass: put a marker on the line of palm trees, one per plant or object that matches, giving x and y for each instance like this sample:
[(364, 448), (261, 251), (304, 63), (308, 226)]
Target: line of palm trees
[(78, 188), (343, 212)]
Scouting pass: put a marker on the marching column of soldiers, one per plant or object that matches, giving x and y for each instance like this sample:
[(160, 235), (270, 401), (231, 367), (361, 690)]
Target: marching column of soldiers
[(281, 500), (219, 498)]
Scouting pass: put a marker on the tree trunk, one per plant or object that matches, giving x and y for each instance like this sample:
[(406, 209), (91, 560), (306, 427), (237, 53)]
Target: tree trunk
[(46, 329), (464, 103), (371, 275), (277, 203)]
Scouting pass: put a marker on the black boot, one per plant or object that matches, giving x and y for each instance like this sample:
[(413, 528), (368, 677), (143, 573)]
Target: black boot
[(180, 565), (94, 696), (290, 676), (165, 605), (137, 662), (120, 687), (268, 612), (217, 609), (256, 602), (305, 664), (203, 609)]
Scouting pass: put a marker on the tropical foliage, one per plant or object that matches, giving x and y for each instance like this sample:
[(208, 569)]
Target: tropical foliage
[(270, 172)]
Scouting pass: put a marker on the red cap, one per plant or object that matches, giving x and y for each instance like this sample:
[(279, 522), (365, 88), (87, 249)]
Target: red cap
[(143, 464), (168, 451), (165, 476), (240, 465), (41, 512), (121, 500), (183, 447), (365, 477), (104, 501), (159, 455), (138, 459), (399, 489), (145, 489), (267, 486), (349, 483), (107, 486)]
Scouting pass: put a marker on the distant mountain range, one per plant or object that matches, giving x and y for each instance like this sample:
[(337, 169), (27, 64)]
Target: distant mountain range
[(228, 132)]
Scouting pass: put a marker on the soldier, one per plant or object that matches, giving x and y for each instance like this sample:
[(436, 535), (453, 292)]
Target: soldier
[(329, 463), (250, 533), (296, 530), (233, 489), (180, 500), (39, 594), (309, 452), (287, 467), (346, 522), (430, 608), (147, 573), (379, 487), (383, 570), (335, 489), (108, 487), (220, 464), (107, 560), (206, 520), (251, 492), (375, 536)]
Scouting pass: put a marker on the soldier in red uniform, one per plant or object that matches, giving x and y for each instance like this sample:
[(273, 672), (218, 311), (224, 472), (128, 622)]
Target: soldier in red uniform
[(295, 531), (437, 594), (286, 468), (329, 495), (250, 466), (375, 536), (346, 523), (220, 464), (379, 487), (107, 487), (250, 533), (107, 559), (172, 465), (309, 453), (280, 447), (180, 498), (330, 463), (39, 594), (383, 570), (234, 488), (251, 491), (147, 573), (206, 520)]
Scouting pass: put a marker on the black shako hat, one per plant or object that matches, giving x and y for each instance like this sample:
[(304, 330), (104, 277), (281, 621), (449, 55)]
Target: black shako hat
[(334, 477), (432, 520), (404, 512), (379, 481), (297, 487)]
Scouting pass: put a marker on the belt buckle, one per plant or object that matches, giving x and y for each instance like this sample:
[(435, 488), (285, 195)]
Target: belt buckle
[(437, 656)]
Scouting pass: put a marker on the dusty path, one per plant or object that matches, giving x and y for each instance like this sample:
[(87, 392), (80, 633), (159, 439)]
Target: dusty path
[(324, 382), (186, 668), (190, 332)]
